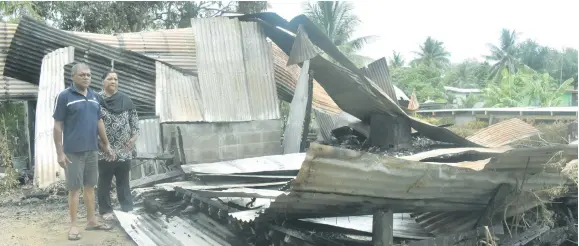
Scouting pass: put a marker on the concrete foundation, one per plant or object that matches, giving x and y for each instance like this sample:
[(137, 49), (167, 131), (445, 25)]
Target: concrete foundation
[(221, 141)]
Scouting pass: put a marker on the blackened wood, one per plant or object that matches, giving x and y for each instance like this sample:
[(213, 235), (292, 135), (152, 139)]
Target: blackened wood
[(382, 228), (390, 131)]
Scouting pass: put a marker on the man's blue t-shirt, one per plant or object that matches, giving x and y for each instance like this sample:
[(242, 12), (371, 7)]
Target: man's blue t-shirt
[(80, 116)]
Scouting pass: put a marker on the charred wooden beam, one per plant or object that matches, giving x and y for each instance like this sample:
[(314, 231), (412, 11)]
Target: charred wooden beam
[(495, 203), (383, 228), (390, 131)]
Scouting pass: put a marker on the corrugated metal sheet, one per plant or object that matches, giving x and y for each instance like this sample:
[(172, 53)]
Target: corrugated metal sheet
[(149, 140), (326, 122), (503, 133), (287, 77), (404, 226), (329, 121), (348, 88), (178, 48), (178, 96), (46, 168), (529, 161), (378, 72), (452, 151), (234, 67), (150, 230), (33, 39), (534, 160), (292, 136), (334, 180), (302, 48), (11, 88), (250, 165)]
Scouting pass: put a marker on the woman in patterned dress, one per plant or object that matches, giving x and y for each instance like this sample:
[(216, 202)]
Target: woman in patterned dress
[(121, 123)]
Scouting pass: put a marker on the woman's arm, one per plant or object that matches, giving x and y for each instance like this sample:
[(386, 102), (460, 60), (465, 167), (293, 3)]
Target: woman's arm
[(134, 125)]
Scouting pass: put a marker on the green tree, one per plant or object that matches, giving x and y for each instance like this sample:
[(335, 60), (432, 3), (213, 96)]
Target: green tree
[(338, 21), (107, 17), (252, 7), (534, 55), (432, 53), (424, 79), (397, 60), (468, 74), (525, 88), (562, 65), (505, 54)]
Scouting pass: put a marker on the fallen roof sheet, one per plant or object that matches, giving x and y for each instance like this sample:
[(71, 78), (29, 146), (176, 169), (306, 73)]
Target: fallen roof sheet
[(378, 72), (503, 133), (440, 152), (148, 230), (352, 91), (270, 163), (404, 226), (190, 185), (333, 181), (534, 160)]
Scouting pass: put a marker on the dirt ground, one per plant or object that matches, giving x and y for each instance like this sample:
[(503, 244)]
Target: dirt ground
[(34, 221)]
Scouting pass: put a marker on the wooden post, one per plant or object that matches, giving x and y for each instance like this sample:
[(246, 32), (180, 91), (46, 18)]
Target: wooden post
[(390, 131), (382, 228), (31, 133)]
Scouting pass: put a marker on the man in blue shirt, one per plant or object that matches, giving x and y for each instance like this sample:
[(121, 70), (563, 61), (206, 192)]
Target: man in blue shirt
[(77, 128)]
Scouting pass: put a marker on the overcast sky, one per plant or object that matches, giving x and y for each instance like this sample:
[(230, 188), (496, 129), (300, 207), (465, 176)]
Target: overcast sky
[(465, 27)]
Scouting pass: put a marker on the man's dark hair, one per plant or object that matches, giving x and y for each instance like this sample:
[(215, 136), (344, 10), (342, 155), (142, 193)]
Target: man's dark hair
[(107, 74)]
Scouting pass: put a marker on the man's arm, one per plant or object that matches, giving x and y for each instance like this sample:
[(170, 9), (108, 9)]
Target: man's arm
[(57, 135), (103, 133)]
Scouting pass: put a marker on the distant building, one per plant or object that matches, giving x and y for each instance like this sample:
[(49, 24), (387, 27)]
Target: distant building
[(569, 98), (460, 94)]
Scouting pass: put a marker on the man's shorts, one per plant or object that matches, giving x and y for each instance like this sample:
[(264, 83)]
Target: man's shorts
[(82, 171)]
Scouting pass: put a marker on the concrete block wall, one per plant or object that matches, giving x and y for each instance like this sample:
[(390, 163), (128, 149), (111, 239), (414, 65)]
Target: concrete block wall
[(221, 141)]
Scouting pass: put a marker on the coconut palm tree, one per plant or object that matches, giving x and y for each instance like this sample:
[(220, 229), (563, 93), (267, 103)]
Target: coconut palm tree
[(432, 53), (338, 21), (505, 55), (397, 60)]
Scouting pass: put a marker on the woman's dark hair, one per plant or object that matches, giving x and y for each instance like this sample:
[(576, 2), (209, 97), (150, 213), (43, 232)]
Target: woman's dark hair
[(107, 74)]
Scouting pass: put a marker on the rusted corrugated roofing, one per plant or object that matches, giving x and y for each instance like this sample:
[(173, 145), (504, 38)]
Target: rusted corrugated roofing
[(178, 48), (46, 167), (235, 65), (335, 181), (503, 133), (178, 96), (33, 39), (11, 88)]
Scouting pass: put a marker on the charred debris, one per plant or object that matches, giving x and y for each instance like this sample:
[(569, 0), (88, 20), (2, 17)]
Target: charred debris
[(376, 175)]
